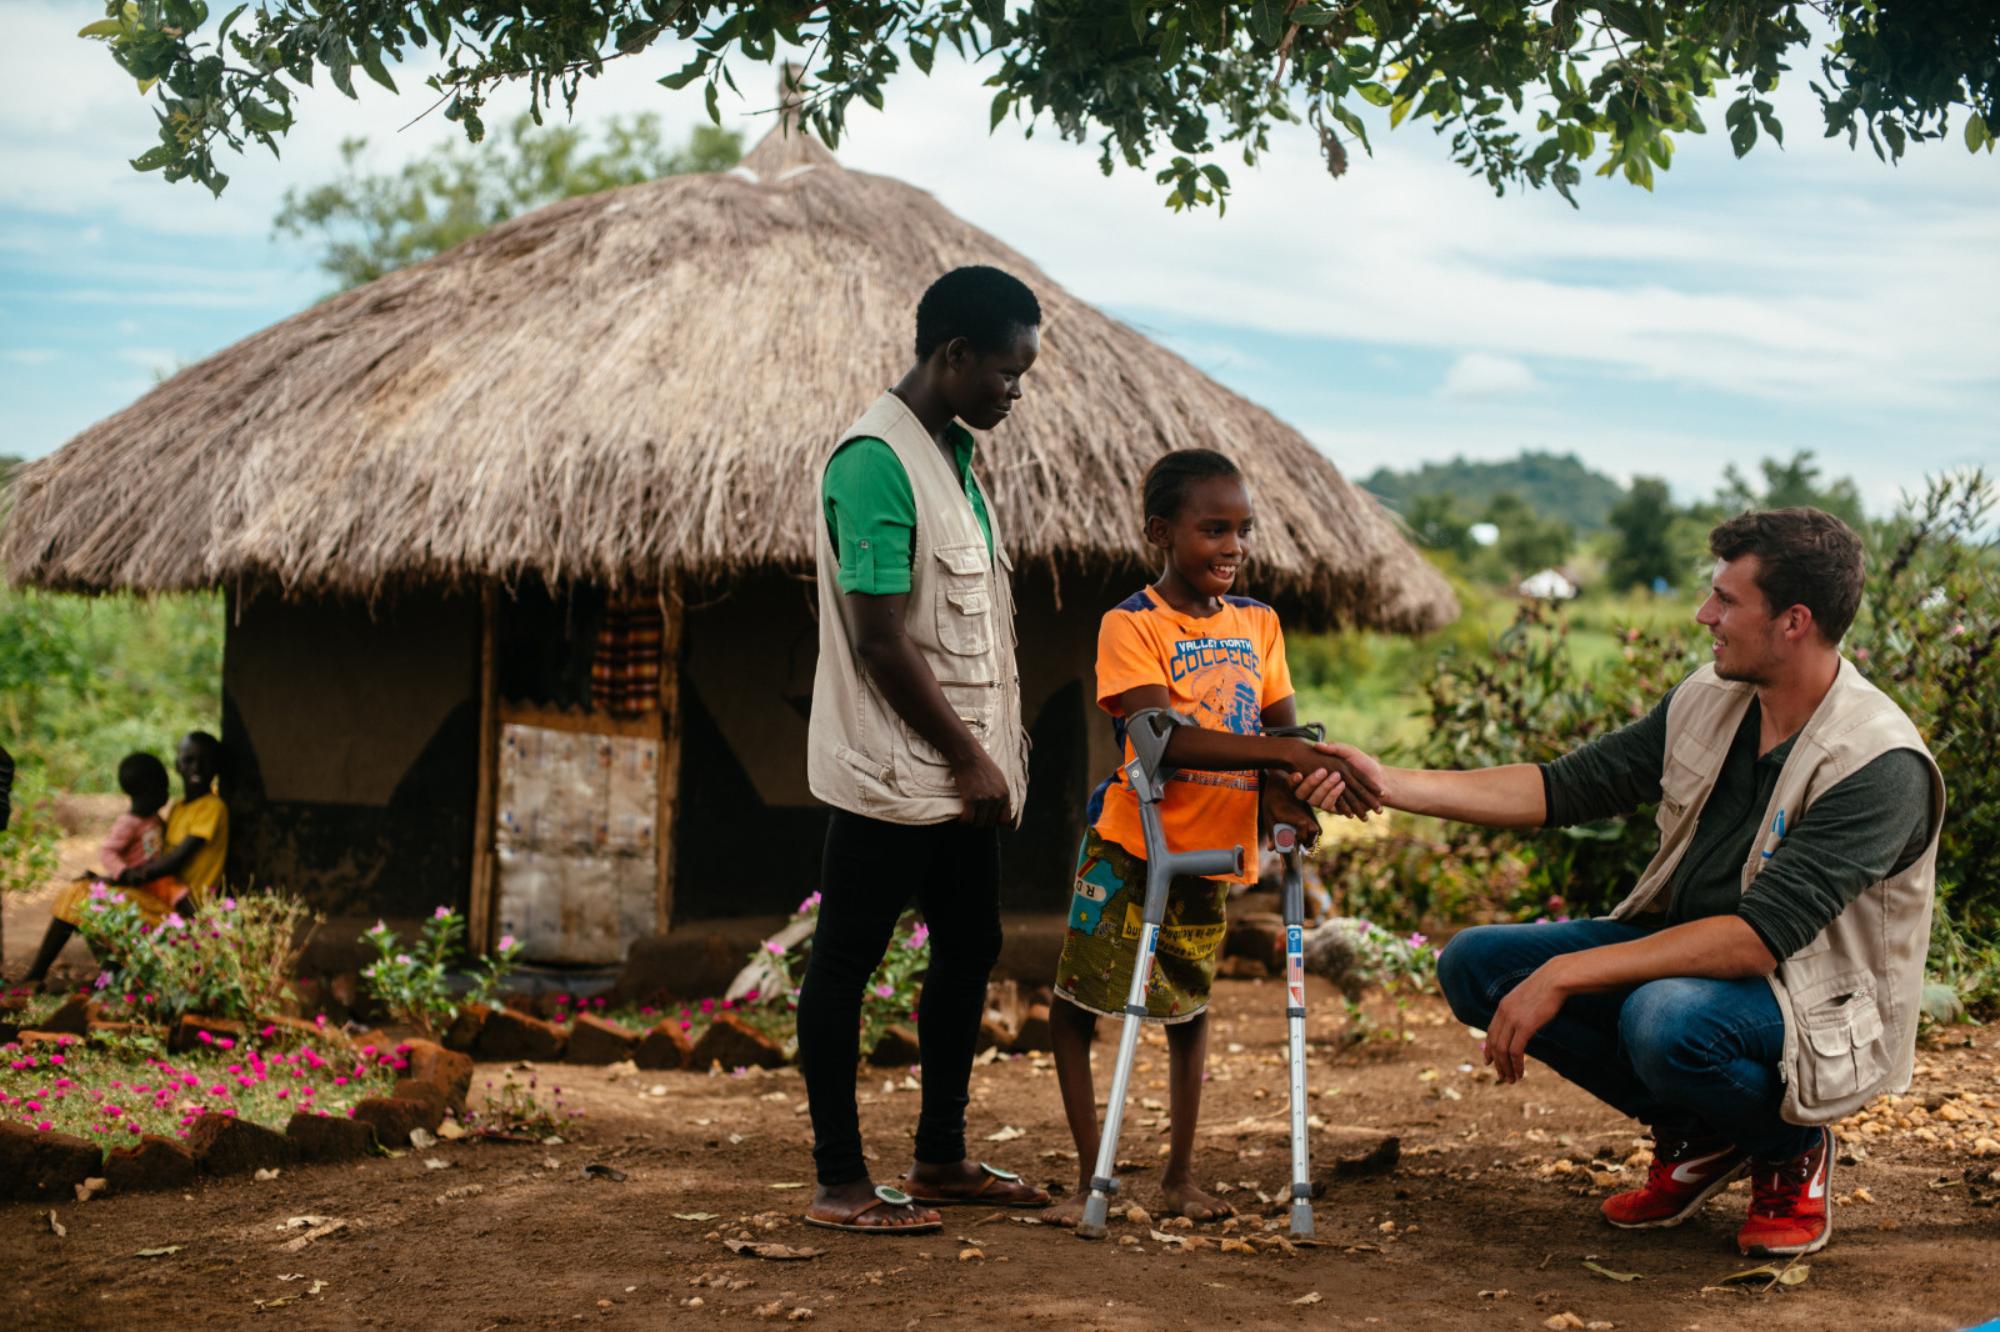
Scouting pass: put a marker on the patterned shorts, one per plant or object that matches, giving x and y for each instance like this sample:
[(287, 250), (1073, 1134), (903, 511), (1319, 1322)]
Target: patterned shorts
[(1106, 908)]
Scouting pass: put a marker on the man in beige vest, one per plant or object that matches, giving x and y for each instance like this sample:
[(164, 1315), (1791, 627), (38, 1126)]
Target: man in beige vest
[(916, 741), (1762, 979)]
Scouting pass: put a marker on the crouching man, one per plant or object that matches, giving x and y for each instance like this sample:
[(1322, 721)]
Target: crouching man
[(1762, 979)]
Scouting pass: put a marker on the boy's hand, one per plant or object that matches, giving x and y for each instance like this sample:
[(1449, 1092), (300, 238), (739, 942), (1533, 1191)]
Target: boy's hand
[(1278, 802)]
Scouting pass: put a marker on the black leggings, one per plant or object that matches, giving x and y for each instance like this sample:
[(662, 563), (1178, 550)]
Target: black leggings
[(870, 872)]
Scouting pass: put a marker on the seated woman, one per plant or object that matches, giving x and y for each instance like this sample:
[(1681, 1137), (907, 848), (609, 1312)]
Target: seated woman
[(197, 843)]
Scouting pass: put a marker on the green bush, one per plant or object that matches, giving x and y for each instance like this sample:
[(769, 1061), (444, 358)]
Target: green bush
[(84, 681), (230, 957)]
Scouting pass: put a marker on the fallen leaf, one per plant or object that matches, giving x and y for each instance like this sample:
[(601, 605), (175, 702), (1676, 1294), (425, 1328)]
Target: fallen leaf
[(1310, 1297), (1162, 1237), (317, 1287), (316, 1233), (161, 1252), (451, 1130), (278, 1303), (1615, 1276), (598, 1170), (95, 1185), (696, 1216), (771, 1310), (1499, 1294), (968, 1255), (265, 1176), (462, 1191), (799, 1315), (303, 1222), (1562, 1322), (776, 1253), (1787, 1276), (1006, 1133), (788, 1185), (436, 1163), (1863, 1195), (1138, 1215), (1236, 1246), (57, 1228), (421, 1139)]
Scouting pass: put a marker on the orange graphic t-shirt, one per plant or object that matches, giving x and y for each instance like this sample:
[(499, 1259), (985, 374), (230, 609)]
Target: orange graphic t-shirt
[(1222, 670)]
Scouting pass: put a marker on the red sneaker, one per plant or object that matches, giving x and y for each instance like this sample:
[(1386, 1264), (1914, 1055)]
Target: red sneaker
[(1788, 1204), (1684, 1175)]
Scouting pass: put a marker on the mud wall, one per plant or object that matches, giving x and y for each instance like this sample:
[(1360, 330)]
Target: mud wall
[(353, 738)]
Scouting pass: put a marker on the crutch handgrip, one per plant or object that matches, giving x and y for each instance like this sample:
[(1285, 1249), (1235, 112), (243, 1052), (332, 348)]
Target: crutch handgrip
[(1206, 864)]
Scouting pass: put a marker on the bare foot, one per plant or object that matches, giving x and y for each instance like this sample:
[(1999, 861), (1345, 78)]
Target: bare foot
[(858, 1205), (1184, 1199), (1066, 1212)]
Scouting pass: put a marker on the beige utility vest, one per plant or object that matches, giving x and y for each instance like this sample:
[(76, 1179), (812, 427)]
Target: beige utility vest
[(861, 756), (1851, 997)]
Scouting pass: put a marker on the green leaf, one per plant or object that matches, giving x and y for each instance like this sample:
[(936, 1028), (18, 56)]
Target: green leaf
[(1400, 110), (1977, 135), (101, 28), (1001, 102), (153, 158), (1267, 21), (1743, 135), (711, 98), (1375, 94), (371, 60), (687, 74), (222, 33)]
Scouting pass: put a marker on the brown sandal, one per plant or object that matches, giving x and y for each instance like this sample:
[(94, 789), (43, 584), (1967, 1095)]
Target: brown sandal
[(884, 1197), (1010, 1193)]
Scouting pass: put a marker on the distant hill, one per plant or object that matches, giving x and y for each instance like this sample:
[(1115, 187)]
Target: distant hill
[(1555, 485)]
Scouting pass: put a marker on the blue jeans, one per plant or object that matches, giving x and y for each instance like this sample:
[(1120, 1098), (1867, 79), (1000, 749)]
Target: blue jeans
[(1689, 1056)]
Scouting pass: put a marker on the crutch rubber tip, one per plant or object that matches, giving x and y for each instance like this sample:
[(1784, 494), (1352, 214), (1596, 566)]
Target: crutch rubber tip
[(1302, 1220), (1096, 1211)]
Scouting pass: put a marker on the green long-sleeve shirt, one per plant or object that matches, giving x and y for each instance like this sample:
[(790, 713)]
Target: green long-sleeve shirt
[(1869, 826)]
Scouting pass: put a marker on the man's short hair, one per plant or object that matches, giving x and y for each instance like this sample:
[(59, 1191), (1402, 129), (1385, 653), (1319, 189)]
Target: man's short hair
[(1805, 557), (983, 305)]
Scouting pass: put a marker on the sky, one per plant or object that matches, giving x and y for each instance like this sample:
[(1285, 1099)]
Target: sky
[(1810, 298)]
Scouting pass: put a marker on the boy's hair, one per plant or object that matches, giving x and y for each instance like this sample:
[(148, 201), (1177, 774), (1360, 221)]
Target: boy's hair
[(1169, 479), (983, 305), (1805, 557), (142, 774)]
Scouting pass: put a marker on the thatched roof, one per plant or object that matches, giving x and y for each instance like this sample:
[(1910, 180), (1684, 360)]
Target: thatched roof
[(636, 382)]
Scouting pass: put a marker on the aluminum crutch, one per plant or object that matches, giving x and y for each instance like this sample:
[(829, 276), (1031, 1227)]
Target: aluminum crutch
[(1285, 840), (1148, 775)]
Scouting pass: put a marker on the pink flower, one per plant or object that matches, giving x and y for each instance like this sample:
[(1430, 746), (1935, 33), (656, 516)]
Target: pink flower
[(810, 904), (708, 1006), (919, 937), (885, 990), (44, 1126), (57, 1060), (774, 948), (206, 1038), (506, 943), (442, 913)]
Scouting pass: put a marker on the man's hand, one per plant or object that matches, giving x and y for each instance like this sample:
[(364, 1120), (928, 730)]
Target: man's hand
[(1351, 785), (1528, 1008), (984, 789)]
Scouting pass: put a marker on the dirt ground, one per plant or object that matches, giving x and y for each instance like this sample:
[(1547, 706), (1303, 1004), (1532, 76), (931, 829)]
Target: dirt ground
[(1486, 1222)]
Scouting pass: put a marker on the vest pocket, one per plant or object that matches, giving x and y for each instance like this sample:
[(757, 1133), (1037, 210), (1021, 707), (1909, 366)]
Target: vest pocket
[(974, 707), (1680, 788), (1845, 1035), (965, 604)]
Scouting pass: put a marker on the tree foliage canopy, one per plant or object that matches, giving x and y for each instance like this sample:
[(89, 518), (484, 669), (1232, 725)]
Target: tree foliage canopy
[(369, 224), (1523, 92)]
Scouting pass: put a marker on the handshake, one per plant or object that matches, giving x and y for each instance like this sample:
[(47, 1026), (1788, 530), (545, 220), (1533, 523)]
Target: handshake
[(1323, 775)]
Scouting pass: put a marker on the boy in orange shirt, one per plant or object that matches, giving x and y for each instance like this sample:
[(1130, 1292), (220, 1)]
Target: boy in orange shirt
[(1218, 660)]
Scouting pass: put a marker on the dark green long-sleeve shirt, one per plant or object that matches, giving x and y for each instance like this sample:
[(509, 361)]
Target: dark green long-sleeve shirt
[(1869, 826)]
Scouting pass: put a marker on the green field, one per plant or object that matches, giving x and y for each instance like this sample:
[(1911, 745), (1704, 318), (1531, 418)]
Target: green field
[(1368, 687), (85, 681)]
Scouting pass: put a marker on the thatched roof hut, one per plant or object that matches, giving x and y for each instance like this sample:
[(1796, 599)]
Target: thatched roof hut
[(627, 392)]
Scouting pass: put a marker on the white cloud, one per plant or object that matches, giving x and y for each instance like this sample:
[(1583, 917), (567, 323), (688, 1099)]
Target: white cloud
[(1483, 375), (155, 360), (29, 355)]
